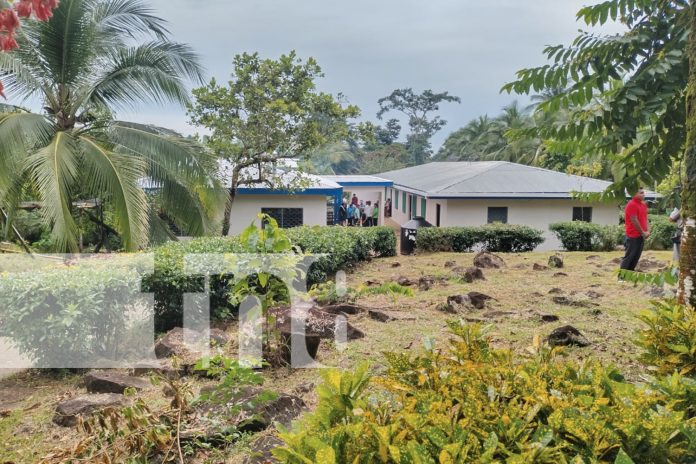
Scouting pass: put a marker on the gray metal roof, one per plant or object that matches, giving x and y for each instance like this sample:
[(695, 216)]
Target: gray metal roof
[(490, 179), (357, 179)]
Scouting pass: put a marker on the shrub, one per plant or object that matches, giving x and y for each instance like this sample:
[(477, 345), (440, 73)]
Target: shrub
[(669, 338), (500, 238), (344, 247), (457, 239), (609, 237), (661, 232), (506, 238), (479, 404), (71, 316), (577, 235)]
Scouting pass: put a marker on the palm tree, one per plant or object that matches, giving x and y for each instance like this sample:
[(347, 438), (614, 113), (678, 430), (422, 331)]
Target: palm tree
[(84, 64)]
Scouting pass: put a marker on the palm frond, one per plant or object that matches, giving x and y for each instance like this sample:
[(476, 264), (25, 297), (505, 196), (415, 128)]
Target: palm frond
[(115, 176), (54, 169), (132, 18), (19, 132), (155, 71), (66, 44)]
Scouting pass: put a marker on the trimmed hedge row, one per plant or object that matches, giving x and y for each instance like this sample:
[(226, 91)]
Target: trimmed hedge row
[(343, 246), (586, 236), (502, 238)]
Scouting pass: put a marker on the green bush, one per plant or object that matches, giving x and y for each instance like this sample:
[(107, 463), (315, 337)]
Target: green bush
[(507, 238), (474, 403), (72, 316), (577, 235), (661, 232), (502, 238), (669, 338), (344, 247)]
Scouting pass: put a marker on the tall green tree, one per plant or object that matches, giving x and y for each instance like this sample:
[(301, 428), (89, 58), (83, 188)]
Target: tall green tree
[(269, 112), (91, 58), (418, 109), (630, 97)]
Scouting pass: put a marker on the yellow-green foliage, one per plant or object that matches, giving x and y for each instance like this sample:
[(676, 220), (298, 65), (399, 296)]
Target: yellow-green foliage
[(669, 339), (473, 403)]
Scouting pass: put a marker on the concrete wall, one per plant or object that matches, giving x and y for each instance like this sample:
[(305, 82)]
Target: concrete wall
[(246, 207), (534, 213), (372, 194), (400, 214)]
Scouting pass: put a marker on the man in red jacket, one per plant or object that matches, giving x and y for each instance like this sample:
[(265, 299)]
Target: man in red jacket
[(636, 230)]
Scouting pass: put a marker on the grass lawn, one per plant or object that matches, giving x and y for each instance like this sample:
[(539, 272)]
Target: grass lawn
[(605, 315)]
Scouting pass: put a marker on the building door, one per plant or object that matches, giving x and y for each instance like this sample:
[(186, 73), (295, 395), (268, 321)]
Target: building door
[(437, 214), (410, 206)]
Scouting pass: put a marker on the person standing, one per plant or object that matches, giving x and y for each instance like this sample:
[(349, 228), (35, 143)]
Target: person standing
[(351, 214), (343, 213), (637, 232), (354, 200), (375, 215), (675, 216), (368, 214)]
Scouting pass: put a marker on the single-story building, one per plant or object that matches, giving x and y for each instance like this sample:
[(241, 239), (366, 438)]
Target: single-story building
[(316, 203), (477, 193)]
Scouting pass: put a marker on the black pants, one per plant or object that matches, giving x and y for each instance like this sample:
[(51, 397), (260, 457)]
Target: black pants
[(634, 248)]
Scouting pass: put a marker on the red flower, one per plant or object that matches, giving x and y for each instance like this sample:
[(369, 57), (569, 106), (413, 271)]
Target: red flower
[(8, 20), (7, 41), (43, 9), (24, 8)]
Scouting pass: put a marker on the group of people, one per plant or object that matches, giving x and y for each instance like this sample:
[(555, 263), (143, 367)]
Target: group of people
[(637, 230), (358, 213)]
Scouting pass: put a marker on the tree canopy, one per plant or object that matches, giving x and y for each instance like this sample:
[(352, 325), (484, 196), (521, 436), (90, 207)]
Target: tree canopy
[(269, 111), (84, 65)]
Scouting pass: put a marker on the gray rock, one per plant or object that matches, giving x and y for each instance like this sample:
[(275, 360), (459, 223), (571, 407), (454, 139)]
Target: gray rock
[(250, 410), (549, 318), (478, 300), (556, 261), (488, 260), (555, 291), (404, 281), (560, 274), (68, 411), (567, 336), (113, 382), (261, 450), (450, 264), (539, 267), (472, 273)]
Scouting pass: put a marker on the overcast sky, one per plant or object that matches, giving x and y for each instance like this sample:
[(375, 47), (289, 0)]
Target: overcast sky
[(369, 48)]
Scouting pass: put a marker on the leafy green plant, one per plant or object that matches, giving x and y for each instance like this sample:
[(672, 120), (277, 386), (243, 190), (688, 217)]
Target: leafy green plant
[(474, 403), (577, 235), (392, 289), (669, 338), (327, 293), (661, 232), (502, 238)]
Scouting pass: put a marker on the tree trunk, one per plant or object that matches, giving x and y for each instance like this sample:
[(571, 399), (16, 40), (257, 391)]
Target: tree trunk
[(232, 193), (687, 263)]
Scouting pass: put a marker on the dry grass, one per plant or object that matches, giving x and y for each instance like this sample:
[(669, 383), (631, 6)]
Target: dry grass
[(521, 296)]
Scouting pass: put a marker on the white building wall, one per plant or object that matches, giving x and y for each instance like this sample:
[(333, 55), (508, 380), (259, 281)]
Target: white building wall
[(534, 213), (400, 214), (246, 208)]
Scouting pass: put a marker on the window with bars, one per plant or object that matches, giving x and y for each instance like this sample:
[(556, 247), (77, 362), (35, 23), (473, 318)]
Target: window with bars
[(286, 217), (497, 214), (582, 213)]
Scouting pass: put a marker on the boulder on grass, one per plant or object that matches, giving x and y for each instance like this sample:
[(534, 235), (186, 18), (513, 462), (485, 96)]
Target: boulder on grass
[(250, 410), (488, 260), (404, 281), (478, 300), (450, 264), (472, 273), (172, 343), (567, 336), (425, 283), (316, 321), (539, 267), (261, 450), (68, 411), (556, 261), (113, 382)]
